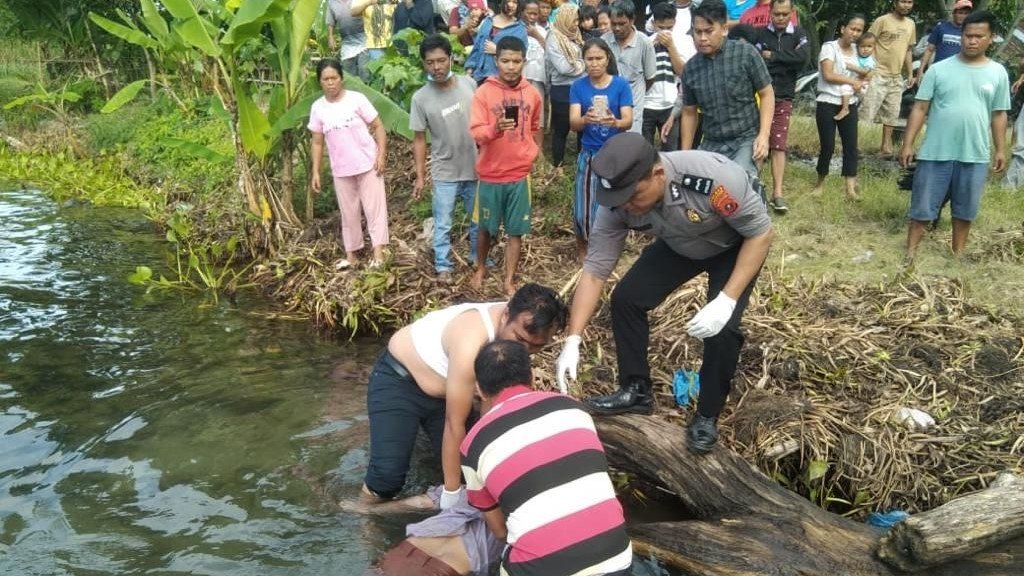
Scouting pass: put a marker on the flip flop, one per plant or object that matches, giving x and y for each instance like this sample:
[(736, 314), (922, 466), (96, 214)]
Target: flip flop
[(342, 264)]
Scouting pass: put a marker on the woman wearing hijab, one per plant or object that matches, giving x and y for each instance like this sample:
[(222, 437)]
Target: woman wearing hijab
[(564, 56)]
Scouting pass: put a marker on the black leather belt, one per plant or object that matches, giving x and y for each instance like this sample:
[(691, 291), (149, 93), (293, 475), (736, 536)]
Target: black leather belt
[(395, 365)]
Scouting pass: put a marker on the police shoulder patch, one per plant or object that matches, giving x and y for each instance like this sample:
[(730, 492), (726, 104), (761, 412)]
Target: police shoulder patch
[(723, 202), (675, 191), (698, 184)]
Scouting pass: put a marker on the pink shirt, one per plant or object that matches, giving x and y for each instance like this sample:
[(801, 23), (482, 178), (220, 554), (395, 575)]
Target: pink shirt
[(345, 125)]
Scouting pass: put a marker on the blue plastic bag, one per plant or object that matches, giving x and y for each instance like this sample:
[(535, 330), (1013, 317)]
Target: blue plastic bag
[(887, 519), (685, 385)]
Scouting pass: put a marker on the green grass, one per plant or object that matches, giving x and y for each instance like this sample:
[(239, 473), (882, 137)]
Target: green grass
[(830, 236)]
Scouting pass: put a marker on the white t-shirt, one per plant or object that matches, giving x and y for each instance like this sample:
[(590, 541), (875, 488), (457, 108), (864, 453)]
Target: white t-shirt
[(827, 91), (535, 69)]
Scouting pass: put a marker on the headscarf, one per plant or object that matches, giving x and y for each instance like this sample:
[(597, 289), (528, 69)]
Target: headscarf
[(567, 35)]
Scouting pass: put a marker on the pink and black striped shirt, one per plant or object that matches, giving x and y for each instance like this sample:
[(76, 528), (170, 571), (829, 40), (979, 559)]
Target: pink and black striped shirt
[(538, 457)]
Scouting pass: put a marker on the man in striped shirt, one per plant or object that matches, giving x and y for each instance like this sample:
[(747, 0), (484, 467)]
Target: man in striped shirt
[(536, 468)]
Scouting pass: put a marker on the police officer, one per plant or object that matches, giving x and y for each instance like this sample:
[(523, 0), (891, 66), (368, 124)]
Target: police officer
[(705, 217)]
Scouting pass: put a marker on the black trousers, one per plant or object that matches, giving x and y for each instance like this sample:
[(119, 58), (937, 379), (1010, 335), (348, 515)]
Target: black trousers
[(827, 125), (657, 273), (652, 123), (559, 123)]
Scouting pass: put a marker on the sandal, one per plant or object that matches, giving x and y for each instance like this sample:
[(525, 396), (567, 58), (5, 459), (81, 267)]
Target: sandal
[(342, 264)]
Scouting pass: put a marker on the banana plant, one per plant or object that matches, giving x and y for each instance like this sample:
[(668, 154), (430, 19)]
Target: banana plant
[(216, 34)]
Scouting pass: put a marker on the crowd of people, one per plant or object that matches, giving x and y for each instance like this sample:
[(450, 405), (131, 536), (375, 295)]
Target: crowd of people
[(676, 109)]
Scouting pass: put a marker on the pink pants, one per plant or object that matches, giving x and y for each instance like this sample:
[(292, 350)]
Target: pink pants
[(366, 190)]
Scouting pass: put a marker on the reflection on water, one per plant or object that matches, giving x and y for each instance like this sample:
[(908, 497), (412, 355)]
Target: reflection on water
[(156, 434)]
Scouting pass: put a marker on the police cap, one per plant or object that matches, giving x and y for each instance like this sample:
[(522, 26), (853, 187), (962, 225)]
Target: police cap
[(624, 160)]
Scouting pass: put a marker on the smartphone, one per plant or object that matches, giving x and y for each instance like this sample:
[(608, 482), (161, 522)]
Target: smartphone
[(512, 113), (600, 105)]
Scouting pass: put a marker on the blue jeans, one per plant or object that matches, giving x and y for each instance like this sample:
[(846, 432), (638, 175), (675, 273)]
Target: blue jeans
[(445, 196)]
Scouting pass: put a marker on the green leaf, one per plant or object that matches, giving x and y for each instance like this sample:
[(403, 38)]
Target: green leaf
[(303, 14), (194, 33), (196, 149), (252, 124), (294, 116), (816, 469), (22, 100), (128, 34), (141, 275), (395, 119), (250, 18), (180, 9), (153, 21), (123, 96), (217, 110)]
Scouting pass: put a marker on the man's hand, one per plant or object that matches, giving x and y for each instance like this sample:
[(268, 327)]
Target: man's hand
[(664, 37), (712, 317), (760, 147), (417, 187), (1017, 84), (568, 361), (315, 182), (449, 499), (505, 124), (490, 47), (907, 154), (666, 128), (332, 43), (999, 162), (911, 82)]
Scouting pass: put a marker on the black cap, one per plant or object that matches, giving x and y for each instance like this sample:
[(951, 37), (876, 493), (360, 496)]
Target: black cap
[(624, 160)]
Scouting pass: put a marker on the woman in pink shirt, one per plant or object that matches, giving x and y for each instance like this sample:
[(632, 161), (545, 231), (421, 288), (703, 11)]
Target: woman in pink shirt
[(357, 147)]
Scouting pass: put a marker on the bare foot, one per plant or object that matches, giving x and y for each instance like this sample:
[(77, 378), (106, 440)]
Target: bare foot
[(361, 505), (477, 281), (851, 193), (510, 287), (885, 151), (843, 113), (816, 192)]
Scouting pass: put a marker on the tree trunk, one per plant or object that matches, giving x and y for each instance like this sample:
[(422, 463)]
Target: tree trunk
[(958, 528), (152, 75), (745, 523)]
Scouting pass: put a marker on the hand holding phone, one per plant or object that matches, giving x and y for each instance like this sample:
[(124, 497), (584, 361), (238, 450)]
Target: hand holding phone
[(600, 106), (512, 113)]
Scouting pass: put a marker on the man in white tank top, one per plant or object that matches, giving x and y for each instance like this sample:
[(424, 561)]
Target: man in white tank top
[(425, 378)]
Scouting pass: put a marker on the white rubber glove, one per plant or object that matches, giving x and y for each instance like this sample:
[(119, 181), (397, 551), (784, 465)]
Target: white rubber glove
[(449, 499), (712, 317), (568, 360)]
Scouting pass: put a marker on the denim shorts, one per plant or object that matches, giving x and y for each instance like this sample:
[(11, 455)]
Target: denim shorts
[(934, 180)]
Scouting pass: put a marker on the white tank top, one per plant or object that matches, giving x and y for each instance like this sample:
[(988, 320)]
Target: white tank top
[(427, 332)]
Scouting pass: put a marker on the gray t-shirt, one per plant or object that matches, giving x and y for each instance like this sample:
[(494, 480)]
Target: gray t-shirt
[(353, 39), (637, 63), (709, 207), (444, 114)]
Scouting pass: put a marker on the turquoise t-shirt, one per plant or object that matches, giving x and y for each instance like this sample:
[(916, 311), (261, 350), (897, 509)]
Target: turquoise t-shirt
[(963, 98)]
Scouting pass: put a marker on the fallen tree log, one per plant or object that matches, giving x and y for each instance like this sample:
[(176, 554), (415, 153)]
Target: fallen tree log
[(745, 523), (958, 528)]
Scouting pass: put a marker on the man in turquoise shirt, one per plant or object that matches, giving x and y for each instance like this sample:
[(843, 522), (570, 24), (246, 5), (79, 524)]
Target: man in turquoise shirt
[(965, 100)]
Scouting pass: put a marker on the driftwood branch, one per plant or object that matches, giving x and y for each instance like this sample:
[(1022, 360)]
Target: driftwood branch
[(958, 528), (739, 521)]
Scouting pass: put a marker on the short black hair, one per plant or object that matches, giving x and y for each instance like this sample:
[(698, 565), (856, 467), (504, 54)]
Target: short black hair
[(744, 32), (622, 8), (433, 42), (588, 12), (548, 309), (512, 44), (326, 63), (663, 11), (792, 2), (981, 17), (501, 364), (711, 10)]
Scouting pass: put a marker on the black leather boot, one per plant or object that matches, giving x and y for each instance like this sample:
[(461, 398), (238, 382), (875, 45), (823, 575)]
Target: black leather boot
[(634, 397), (701, 434)]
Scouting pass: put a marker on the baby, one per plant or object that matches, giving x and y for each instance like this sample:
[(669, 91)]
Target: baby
[(863, 67)]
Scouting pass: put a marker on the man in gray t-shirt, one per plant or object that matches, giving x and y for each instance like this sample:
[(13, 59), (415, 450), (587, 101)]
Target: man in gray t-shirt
[(442, 107), (706, 217), (634, 57), (353, 39)]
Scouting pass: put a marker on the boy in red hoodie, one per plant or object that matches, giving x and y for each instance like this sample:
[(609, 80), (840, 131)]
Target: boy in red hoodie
[(505, 122)]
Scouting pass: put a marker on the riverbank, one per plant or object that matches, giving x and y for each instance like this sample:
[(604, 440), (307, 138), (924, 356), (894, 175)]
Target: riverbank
[(840, 336)]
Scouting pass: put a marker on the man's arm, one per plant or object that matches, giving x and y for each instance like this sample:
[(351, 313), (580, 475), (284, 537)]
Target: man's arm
[(926, 61), (584, 302), (794, 58), (688, 128), (767, 112), (914, 124), (908, 66), (481, 126), (999, 122), (753, 253), (495, 520), (459, 389), (419, 155)]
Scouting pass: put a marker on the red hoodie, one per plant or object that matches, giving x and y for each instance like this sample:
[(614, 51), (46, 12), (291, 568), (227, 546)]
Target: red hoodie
[(505, 156)]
